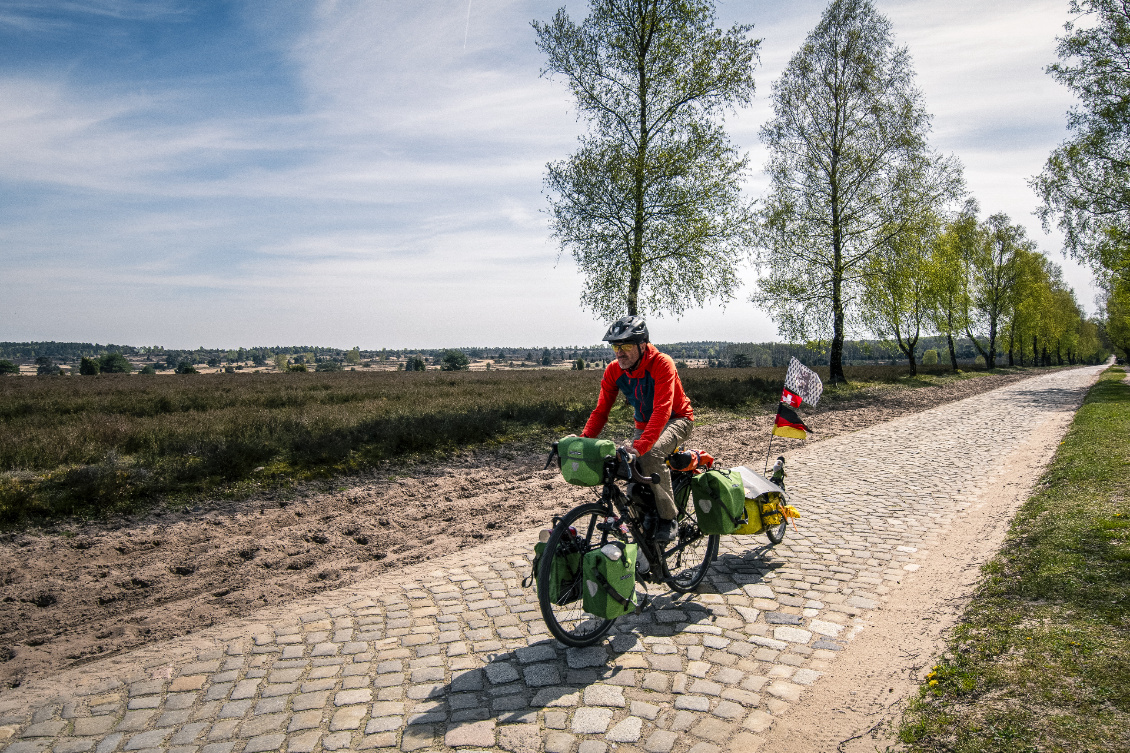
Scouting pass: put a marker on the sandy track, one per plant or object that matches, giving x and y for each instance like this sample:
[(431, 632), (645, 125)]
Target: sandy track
[(79, 592), (857, 706)]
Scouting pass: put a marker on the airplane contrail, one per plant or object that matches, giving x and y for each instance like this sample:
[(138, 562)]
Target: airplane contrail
[(468, 28)]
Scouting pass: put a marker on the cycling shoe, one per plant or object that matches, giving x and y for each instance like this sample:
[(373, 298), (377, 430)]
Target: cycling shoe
[(667, 530)]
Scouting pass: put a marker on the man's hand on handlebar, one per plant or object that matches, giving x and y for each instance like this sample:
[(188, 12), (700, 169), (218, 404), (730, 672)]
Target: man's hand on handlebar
[(629, 456)]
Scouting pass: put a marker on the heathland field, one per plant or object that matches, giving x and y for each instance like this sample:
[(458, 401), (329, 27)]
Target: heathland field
[(111, 443)]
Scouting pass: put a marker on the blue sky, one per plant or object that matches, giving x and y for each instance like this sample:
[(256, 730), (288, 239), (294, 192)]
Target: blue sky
[(369, 172)]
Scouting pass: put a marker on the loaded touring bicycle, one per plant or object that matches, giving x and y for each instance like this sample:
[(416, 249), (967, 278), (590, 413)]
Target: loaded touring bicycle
[(587, 566)]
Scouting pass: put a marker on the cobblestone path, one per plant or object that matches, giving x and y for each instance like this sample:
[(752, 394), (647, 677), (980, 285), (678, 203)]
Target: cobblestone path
[(453, 652)]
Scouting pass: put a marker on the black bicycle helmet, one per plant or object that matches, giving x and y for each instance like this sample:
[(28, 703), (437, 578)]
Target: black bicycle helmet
[(627, 329)]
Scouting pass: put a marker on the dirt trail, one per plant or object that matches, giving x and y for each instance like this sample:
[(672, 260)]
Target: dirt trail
[(79, 592), (856, 707)]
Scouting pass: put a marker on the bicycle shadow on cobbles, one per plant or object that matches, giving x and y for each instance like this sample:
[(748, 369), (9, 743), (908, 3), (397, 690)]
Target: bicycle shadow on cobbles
[(507, 694)]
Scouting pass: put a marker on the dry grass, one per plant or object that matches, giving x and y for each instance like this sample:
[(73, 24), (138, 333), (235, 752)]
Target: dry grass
[(93, 445)]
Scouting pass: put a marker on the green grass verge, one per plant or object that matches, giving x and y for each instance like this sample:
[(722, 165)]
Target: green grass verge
[(1041, 659), (88, 446)]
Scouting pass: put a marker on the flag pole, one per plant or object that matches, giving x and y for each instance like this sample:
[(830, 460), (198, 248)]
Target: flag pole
[(767, 452)]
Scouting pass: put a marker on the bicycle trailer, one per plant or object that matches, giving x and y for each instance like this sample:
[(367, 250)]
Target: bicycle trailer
[(765, 502)]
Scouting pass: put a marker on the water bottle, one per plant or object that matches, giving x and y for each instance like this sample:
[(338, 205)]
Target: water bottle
[(642, 565), (612, 523)]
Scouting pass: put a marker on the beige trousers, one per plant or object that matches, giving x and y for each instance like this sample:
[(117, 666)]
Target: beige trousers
[(677, 432)]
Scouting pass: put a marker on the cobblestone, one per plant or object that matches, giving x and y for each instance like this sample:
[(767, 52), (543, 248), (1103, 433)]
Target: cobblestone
[(591, 721), (453, 651)]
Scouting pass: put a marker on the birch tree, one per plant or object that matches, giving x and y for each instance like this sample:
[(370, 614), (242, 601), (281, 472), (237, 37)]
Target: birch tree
[(1031, 301), (896, 291), (650, 205), (1116, 304), (1085, 185), (848, 122), (949, 275), (991, 258)]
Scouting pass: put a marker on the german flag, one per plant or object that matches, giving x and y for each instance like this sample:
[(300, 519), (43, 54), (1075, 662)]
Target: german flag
[(788, 424)]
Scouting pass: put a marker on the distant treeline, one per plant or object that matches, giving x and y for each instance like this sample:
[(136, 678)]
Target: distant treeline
[(856, 352), (62, 351), (714, 352)]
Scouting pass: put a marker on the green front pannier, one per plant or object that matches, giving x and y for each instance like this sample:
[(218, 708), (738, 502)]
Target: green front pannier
[(719, 501), (563, 585), (610, 585), (582, 459)]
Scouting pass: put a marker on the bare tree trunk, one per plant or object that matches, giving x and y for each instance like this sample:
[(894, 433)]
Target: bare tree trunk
[(634, 276), (991, 359), (907, 349), (836, 356), (953, 350), (977, 344), (635, 273)]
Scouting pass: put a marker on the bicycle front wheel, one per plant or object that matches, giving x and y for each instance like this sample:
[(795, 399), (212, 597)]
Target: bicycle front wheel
[(560, 579), (689, 557)]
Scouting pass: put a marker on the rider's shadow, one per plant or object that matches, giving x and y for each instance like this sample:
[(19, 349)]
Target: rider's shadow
[(504, 697), (499, 703)]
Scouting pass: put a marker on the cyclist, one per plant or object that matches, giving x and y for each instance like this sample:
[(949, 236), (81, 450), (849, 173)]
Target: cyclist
[(663, 414)]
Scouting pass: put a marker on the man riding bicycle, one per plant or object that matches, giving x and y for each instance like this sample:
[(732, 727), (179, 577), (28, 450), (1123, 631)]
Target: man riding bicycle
[(663, 415)]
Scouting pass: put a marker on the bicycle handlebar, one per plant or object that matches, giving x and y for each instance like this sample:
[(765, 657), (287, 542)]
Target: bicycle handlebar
[(634, 474), (636, 477)]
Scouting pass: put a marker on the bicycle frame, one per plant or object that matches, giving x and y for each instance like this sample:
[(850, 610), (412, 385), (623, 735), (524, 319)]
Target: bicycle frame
[(618, 504)]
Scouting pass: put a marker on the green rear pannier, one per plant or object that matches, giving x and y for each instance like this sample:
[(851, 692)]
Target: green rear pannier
[(719, 501), (582, 459), (610, 585), (563, 581)]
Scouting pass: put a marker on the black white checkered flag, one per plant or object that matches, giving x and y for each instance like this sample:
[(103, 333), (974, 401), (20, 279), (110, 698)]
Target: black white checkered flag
[(803, 381)]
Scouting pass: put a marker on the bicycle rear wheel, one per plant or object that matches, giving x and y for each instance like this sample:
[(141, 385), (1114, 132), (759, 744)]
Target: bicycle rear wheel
[(776, 533), (689, 557), (561, 602)]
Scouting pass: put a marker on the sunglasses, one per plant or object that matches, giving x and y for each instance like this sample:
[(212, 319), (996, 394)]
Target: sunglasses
[(623, 347)]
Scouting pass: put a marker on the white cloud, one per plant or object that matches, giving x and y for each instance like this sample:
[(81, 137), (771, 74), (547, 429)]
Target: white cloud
[(403, 175), (44, 16)]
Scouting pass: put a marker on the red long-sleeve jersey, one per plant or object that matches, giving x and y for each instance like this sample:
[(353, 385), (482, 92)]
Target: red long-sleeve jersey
[(654, 391)]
